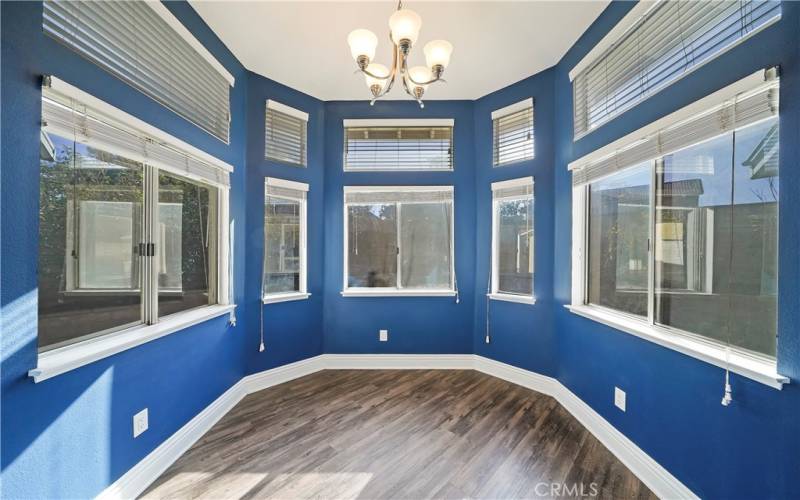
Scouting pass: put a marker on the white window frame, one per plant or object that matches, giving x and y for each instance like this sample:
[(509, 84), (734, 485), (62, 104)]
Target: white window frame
[(62, 359), (302, 294), (495, 293), (294, 113), (755, 366), (509, 110), (397, 291)]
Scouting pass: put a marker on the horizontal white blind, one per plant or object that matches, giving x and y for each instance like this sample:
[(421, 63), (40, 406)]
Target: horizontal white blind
[(285, 135), (404, 194), (671, 39), (132, 41), (744, 109), (511, 190), (398, 148), (285, 189), (73, 120), (512, 136)]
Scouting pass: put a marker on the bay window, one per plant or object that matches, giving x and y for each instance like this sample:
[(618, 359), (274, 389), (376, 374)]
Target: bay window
[(512, 240), (398, 240), (284, 240)]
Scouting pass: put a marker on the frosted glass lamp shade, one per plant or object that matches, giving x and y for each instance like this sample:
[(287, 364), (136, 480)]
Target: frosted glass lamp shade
[(405, 24), (437, 52), (377, 70), (419, 74), (362, 43)]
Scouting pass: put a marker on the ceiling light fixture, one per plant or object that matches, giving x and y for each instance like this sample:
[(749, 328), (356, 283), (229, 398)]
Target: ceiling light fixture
[(404, 27)]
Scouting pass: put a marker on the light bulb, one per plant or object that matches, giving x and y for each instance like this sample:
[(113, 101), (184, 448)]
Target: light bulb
[(419, 74), (362, 43), (405, 25), (377, 70), (437, 52)]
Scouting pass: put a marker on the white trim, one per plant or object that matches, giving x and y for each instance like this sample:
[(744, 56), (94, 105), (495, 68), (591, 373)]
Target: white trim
[(705, 350), (397, 292), (139, 126), (398, 122), (512, 108), (749, 83), (508, 297), (287, 110), (64, 359), (522, 181), (283, 183), (398, 361), (284, 297), (184, 33), (613, 36), (396, 189), (281, 374)]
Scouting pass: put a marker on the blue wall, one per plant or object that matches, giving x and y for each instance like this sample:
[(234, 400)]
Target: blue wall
[(521, 334), (415, 324), (749, 449), (292, 330), (71, 436)]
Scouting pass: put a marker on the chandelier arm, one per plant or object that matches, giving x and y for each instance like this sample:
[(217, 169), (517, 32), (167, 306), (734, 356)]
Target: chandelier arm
[(390, 79), (408, 91), (419, 84)]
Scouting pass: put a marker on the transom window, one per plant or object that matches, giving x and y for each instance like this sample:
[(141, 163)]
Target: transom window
[(398, 145), (286, 134), (284, 240), (399, 240), (512, 240), (512, 133)]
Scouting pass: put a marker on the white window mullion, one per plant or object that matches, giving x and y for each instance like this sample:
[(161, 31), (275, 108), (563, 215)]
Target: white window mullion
[(399, 222), (651, 242)]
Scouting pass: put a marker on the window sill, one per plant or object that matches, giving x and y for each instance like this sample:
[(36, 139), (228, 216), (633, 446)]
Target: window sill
[(508, 297), (398, 293), (64, 359), (284, 297), (762, 371)]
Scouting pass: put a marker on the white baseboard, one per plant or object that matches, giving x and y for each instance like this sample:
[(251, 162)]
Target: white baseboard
[(138, 478)]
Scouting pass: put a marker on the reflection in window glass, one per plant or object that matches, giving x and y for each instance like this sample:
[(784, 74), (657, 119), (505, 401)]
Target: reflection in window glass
[(282, 256), (90, 224), (372, 245), (425, 245), (716, 238), (515, 246), (186, 252), (619, 226)]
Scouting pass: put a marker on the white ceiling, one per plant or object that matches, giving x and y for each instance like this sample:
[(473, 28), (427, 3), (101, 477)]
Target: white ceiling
[(304, 44)]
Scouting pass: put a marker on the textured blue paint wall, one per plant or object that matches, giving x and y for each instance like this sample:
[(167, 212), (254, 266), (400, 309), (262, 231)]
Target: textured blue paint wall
[(747, 450), (415, 324), (292, 330), (71, 436), (521, 334)]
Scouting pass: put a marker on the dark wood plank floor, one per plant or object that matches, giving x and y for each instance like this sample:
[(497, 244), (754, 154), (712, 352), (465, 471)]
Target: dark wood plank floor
[(398, 434)]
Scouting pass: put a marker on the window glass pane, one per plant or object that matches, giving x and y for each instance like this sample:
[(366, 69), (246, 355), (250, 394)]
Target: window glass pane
[(282, 254), (425, 245), (515, 246), (186, 248), (90, 223), (372, 245), (618, 232), (716, 239)]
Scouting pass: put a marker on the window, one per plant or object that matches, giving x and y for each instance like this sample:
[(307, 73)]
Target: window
[(144, 45), (512, 240), (656, 44), (286, 131), (399, 240), (284, 240), (687, 241), (130, 226), (512, 133), (398, 145)]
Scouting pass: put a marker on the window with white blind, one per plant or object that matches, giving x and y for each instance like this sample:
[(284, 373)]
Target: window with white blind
[(286, 134), (398, 240), (133, 223), (398, 145), (653, 46), (512, 240), (144, 45), (675, 228), (512, 133), (284, 276)]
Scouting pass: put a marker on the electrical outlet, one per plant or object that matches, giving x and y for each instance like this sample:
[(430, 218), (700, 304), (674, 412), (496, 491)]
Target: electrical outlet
[(140, 422), (383, 335), (619, 398)]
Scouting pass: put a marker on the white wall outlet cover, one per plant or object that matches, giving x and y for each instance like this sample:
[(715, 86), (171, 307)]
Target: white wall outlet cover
[(140, 422), (383, 335), (619, 398)]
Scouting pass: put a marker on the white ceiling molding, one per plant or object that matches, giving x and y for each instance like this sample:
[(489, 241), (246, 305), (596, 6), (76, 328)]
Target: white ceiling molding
[(303, 44)]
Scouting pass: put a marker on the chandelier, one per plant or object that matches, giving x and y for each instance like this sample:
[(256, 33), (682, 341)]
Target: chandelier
[(404, 27)]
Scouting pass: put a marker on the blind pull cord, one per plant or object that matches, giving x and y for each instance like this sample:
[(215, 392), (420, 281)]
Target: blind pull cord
[(727, 396), (488, 338)]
